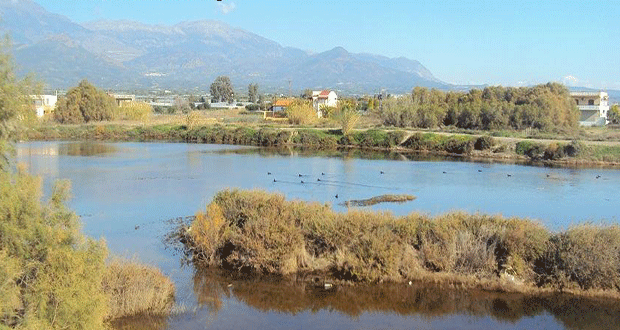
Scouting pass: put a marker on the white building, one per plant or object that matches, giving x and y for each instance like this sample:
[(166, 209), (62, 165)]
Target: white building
[(44, 104), (593, 107), (324, 98)]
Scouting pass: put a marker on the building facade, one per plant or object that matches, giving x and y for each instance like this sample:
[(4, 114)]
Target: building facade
[(324, 98), (44, 104), (593, 106)]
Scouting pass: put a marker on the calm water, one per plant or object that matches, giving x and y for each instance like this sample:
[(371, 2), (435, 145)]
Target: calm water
[(119, 186)]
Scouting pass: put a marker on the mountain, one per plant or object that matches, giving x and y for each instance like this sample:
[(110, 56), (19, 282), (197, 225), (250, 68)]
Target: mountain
[(189, 55)]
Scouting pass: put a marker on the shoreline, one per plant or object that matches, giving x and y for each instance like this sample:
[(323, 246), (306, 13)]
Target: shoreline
[(458, 146)]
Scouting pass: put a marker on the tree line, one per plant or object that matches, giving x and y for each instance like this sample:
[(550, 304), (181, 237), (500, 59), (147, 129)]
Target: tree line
[(544, 107)]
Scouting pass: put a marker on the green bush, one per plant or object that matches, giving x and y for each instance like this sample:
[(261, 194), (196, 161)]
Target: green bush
[(575, 148), (52, 275), (484, 143), (531, 149), (84, 103)]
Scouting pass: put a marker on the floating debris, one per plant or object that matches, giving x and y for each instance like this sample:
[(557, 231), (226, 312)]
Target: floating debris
[(380, 199)]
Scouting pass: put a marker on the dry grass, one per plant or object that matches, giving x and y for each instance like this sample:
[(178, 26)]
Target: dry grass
[(262, 233), (301, 113), (135, 289)]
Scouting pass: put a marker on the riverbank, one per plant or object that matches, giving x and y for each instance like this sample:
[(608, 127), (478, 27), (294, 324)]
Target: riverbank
[(253, 232), (472, 147)]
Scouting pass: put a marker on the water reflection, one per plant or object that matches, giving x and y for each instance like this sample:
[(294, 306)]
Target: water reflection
[(140, 323), (85, 149), (426, 300), (369, 154)]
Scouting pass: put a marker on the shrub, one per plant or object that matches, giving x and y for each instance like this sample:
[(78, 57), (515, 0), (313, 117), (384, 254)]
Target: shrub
[(484, 143), (554, 151), (531, 149), (134, 289), (587, 256), (84, 103), (191, 119), (301, 112), (346, 115), (315, 139), (252, 107), (253, 230), (140, 111), (52, 273), (575, 148)]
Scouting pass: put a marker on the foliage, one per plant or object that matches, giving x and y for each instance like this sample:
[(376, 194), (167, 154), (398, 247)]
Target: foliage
[(15, 103), (263, 233), (301, 112), (191, 119), (455, 144), (586, 256), (253, 93), (134, 289), (50, 274), (181, 105), (140, 111), (222, 89), (614, 115), (543, 107), (84, 103), (252, 107), (346, 115), (54, 273), (484, 143)]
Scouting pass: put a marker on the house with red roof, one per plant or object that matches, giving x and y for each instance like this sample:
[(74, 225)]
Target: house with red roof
[(322, 99)]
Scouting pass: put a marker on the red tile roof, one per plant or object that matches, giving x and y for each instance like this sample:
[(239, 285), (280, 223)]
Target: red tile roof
[(282, 103)]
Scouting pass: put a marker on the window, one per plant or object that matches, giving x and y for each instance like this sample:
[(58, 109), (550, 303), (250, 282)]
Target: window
[(577, 101), (590, 102)]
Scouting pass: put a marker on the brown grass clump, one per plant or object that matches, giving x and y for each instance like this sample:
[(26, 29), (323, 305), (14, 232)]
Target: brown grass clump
[(135, 289), (262, 233), (380, 199), (584, 257)]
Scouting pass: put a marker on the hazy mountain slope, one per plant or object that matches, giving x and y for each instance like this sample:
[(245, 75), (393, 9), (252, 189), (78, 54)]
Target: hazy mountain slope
[(189, 55)]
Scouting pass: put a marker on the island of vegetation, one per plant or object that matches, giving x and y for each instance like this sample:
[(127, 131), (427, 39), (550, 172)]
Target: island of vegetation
[(254, 232)]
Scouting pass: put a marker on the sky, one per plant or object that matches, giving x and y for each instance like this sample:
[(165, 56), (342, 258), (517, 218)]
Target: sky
[(510, 43)]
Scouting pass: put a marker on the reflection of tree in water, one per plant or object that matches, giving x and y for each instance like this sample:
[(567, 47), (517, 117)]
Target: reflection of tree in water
[(141, 323), (85, 149), (426, 300)]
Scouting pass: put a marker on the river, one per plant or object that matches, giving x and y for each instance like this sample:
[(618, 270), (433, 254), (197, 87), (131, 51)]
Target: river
[(129, 192)]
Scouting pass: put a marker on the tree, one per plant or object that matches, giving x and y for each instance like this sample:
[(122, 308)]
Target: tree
[(253, 93), (614, 114), (306, 94), (50, 274), (222, 89), (15, 103), (85, 103), (181, 105)]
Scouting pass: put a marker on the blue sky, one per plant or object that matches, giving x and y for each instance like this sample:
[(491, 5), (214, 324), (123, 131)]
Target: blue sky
[(459, 41)]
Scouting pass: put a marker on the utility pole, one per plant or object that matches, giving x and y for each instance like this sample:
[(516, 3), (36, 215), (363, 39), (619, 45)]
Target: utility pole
[(289, 88)]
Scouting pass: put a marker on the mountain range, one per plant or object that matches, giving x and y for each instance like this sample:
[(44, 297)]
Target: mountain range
[(131, 56), (127, 55)]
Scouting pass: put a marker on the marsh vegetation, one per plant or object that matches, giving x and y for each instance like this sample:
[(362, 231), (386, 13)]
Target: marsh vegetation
[(261, 233)]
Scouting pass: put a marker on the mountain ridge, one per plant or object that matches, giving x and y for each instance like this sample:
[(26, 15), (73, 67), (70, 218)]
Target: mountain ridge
[(126, 54)]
